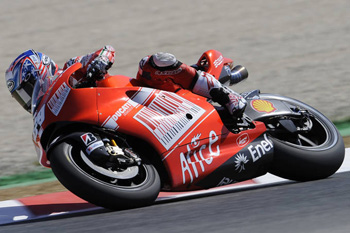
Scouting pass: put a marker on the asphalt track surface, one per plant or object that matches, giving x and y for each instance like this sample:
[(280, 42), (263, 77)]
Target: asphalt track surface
[(317, 206)]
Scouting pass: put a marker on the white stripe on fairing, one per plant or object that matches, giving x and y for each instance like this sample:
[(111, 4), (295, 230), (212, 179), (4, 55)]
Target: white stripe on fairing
[(143, 95)]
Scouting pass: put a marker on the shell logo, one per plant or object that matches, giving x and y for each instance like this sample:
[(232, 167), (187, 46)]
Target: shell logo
[(262, 106)]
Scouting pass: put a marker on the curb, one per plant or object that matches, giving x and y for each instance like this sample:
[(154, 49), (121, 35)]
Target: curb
[(65, 203)]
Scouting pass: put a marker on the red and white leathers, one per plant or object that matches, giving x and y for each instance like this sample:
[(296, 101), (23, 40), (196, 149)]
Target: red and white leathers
[(171, 75), (32, 67), (98, 62)]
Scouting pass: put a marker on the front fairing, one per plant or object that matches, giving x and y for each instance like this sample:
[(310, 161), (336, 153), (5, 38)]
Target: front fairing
[(59, 102)]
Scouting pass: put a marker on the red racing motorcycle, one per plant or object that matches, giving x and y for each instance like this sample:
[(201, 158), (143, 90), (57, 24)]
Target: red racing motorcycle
[(118, 144)]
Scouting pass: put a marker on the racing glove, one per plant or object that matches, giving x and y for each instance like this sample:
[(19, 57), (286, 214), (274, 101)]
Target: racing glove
[(98, 68)]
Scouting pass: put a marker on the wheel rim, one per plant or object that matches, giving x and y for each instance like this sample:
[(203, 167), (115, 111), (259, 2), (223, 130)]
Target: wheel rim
[(322, 136), (127, 173), (131, 179), (319, 137)]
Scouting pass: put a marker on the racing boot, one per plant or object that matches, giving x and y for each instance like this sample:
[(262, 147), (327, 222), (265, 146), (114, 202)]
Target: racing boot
[(236, 105), (232, 101)]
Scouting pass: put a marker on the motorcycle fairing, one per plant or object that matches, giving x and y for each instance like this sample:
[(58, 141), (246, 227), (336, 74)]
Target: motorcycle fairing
[(258, 109), (248, 163), (212, 61), (161, 118), (190, 162), (53, 108)]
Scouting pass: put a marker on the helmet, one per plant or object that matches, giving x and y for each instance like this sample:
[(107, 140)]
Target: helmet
[(24, 71), (163, 60), (165, 72)]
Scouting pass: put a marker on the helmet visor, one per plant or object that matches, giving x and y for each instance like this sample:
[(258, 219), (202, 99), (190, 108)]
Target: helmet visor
[(23, 96)]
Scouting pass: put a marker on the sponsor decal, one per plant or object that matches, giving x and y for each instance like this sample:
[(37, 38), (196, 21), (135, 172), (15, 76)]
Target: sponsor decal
[(194, 158), (38, 120), (111, 121), (260, 149), (225, 181), (93, 146), (46, 60), (194, 142), (10, 85), (58, 99), (168, 117), (243, 140), (88, 138), (218, 61), (262, 106), (240, 161), (168, 72)]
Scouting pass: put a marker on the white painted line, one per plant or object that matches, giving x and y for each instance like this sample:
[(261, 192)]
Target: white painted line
[(13, 211)]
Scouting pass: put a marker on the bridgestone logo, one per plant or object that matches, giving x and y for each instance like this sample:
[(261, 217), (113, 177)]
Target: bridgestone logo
[(57, 100)]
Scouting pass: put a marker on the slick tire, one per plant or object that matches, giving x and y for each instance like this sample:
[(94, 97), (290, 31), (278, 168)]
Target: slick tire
[(300, 164), (98, 189), (305, 163)]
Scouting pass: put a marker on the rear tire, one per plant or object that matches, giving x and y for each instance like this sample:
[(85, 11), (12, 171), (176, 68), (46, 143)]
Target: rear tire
[(320, 154), (299, 164), (99, 189)]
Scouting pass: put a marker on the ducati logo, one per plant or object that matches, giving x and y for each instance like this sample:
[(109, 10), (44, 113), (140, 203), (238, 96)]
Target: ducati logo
[(243, 140)]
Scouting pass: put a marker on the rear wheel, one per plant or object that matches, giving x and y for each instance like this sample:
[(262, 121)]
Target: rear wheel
[(315, 151), (133, 186)]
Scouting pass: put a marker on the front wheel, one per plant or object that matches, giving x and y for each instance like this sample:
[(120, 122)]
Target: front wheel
[(133, 187), (305, 155)]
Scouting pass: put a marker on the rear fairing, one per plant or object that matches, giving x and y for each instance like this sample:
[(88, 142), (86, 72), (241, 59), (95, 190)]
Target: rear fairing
[(218, 155)]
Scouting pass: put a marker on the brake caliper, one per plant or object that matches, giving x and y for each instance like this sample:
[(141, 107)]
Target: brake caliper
[(122, 156)]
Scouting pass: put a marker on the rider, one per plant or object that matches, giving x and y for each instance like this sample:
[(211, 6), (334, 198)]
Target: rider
[(164, 71), (31, 66), (161, 70)]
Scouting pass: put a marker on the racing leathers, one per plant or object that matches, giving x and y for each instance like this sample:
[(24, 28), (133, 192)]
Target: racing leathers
[(163, 71), (94, 65)]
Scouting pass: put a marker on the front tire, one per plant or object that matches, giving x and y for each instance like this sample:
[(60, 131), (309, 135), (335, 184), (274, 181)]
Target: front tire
[(98, 188)]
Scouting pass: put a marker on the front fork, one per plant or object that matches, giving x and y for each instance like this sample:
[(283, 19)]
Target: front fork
[(120, 156)]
